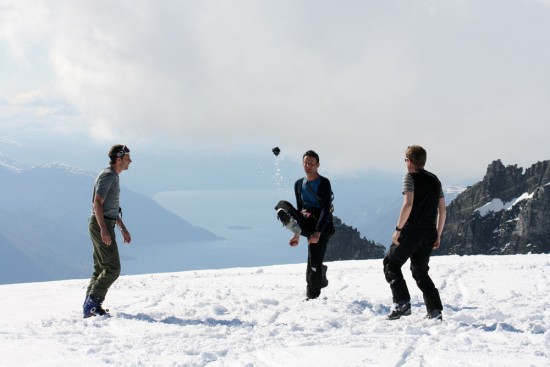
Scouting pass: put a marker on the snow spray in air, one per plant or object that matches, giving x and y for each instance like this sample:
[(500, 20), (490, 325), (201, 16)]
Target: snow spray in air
[(279, 180)]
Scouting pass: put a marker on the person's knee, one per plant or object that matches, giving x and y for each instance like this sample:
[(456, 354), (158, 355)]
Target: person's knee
[(419, 274), (117, 270), (392, 271), (113, 270)]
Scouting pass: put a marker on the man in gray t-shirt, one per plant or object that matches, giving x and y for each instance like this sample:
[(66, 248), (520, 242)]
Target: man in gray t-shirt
[(107, 187), (102, 222)]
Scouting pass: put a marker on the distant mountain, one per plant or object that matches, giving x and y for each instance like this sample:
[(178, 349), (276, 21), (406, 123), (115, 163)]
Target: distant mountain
[(372, 203), (347, 244), (508, 212), (43, 222)]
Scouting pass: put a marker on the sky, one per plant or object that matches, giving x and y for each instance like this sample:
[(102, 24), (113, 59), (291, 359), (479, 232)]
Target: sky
[(358, 81), (496, 313)]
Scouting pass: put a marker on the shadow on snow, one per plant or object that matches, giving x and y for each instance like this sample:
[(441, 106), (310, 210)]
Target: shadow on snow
[(172, 320)]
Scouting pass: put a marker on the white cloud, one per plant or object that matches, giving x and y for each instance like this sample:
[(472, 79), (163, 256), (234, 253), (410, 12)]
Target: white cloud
[(358, 81), (28, 97)]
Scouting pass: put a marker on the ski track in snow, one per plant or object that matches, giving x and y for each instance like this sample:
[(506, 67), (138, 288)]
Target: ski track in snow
[(496, 313)]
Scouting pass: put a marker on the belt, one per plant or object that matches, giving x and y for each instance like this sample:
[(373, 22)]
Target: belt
[(111, 221)]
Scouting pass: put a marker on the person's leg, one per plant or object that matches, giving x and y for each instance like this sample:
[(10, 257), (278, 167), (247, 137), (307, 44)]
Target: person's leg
[(316, 273), (420, 269), (393, 262), (95, 274), (106, 262)]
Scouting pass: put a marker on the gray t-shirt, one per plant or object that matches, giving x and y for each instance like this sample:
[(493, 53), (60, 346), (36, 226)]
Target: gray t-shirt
[(107, 186)]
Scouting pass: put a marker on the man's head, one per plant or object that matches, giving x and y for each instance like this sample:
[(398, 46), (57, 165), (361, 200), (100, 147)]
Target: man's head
[(310, 161), (120, 155), (312, 154), (416, 155)]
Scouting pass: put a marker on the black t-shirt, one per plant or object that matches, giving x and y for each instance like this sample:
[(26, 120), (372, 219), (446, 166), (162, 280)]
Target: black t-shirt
[(427, 191)]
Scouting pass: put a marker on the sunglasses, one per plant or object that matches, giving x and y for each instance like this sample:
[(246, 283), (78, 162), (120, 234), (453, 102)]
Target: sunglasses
[(122, 151)]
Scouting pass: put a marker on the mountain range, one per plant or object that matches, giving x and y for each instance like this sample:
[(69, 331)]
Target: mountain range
[(43, 222), (44, 212)]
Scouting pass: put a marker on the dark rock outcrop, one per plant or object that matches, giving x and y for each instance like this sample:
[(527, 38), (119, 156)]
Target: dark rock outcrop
[(347, 244), (508, 212)]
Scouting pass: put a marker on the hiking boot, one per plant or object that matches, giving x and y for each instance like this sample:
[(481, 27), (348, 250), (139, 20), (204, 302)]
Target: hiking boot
[(434, 315), (92, 307), (290, 223), (398, 310), (100, 311)]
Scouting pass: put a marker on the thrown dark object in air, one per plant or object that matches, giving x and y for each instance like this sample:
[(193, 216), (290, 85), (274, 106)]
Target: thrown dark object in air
[(276, 151)]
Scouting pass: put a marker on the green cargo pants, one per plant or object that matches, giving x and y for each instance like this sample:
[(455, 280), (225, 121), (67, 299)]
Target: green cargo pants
[(106, 260)]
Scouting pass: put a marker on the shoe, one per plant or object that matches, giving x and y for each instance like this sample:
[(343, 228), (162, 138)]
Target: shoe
[(92, 307), (398, 310), (290, 223), (434, 315), (324, 281), (100, 311), (312, 293)]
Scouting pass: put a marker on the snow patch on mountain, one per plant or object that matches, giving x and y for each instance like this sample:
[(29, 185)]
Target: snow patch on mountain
[(496, 205), (67, 168)]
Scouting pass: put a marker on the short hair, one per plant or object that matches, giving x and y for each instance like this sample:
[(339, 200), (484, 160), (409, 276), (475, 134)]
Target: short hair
[(417, 155), (311, 153), (117, 151)]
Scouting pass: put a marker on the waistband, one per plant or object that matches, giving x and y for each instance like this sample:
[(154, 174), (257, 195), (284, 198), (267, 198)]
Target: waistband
[(108, 220)]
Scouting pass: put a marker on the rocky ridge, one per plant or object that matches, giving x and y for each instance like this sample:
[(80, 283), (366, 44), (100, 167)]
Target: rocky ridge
[(508, 212), (347, 244)]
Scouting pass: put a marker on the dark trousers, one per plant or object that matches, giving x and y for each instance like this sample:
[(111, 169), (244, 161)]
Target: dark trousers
[(106, 260), (416, 244), (316, 272)]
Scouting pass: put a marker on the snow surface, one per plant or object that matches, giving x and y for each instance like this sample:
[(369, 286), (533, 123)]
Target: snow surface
[(497, 313)]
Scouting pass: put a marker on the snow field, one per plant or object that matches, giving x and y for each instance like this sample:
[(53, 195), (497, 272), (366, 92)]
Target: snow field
[(497, 313)]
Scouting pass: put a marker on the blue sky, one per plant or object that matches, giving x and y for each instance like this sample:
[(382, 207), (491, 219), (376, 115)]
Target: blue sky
[(356, 80)]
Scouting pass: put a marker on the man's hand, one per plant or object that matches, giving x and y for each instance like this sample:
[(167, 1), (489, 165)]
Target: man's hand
[(105, 236), (314, 238), (126, 235), (395, 238), (294, 240), (437, 243)]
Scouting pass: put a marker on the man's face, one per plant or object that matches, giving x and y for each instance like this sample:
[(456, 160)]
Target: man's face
[(310, 165), (125, 161)]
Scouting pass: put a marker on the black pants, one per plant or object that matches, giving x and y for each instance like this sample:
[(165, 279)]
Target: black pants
[(316, 272), (416, 244)]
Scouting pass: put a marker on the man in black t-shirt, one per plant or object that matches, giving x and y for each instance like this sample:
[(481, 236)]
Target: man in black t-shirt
[(417, 233)]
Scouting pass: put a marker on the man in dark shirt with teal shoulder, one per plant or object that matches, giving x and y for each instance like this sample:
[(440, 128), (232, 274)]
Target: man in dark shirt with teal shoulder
[(314, 201), (417, 233)]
